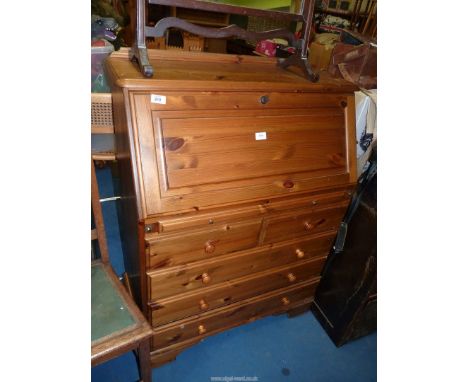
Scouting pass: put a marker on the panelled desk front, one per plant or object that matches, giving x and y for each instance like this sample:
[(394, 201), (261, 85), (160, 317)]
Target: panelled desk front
[(235, 175)]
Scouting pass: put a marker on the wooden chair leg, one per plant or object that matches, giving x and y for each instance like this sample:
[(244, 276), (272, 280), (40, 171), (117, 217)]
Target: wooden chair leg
[(139, 48), (144, 363)]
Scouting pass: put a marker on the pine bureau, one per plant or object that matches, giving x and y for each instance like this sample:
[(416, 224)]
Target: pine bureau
[(235, 175)]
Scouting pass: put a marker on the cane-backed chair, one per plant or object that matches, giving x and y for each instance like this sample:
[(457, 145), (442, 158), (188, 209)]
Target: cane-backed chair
[(117, 325)]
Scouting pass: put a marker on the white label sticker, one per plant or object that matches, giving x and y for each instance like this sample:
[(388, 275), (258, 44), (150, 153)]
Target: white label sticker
[(260, 136), (155, 98)]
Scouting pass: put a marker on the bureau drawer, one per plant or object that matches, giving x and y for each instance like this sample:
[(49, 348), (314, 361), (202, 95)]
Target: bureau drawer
[(301, 223), (207, 219), (235, 314), (315, 201), (180, 248), (175, 308), (180, 279), (242, 100)]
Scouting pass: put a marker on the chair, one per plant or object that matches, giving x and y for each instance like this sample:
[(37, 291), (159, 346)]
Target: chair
[(117, 325), (303, 14)]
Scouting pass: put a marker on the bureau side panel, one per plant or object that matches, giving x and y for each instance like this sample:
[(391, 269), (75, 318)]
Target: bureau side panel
[(128, 213)]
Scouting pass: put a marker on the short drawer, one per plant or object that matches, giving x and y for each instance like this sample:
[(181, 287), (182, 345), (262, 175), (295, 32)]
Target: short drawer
[(176, 308), (235, 314), (180, 248), (297, 224), (184, 278), (310, 202), (207, 220)]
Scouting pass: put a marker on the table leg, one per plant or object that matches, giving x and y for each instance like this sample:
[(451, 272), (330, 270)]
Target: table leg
[(144, 361)]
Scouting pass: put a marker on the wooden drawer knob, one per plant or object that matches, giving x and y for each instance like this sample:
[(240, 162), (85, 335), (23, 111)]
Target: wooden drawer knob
[(201, 329), (203, 304), (209, 247), (285, 301), (205, 278), (291, 277), (300, 254), (288, 184), (308, 226)]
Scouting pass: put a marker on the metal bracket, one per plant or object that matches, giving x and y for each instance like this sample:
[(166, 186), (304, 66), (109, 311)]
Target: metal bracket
[(298, 60), (340, 237), (110, 199)]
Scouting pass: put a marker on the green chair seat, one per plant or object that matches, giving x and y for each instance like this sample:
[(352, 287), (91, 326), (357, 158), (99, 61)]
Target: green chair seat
[(109, 312)]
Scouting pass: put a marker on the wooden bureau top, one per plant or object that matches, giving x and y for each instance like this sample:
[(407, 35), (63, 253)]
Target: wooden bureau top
[(212, 71)]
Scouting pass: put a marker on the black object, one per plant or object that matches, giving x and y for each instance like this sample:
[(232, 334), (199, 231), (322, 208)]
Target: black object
[(264, 99), (236, 46), (345, 301)]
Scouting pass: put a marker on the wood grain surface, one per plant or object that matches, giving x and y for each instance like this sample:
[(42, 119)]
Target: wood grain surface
[(199, 219), (177, 307), (212, 71), (187, 277), (303, 222), (236, 174), (189, 163), (235, 314), (168, 250)]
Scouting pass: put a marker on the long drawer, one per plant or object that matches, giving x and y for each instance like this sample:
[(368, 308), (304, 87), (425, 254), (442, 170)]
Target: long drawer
[(180, 279), (175, 308), (238, 101), (235, 314), (174, 249)]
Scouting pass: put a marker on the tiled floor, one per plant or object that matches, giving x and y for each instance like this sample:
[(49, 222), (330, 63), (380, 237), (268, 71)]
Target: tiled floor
[(271, 349)]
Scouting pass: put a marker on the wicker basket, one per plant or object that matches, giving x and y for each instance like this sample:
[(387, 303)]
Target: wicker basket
[(101, 113)]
